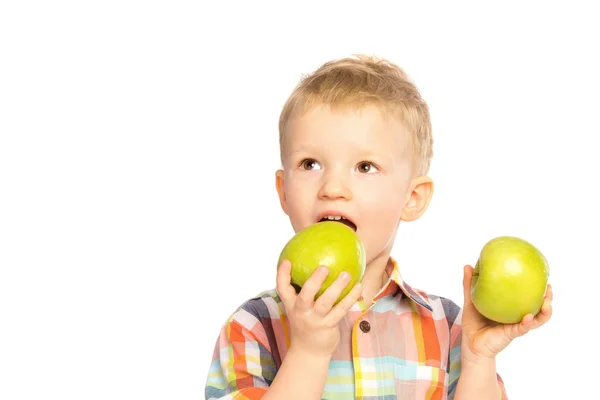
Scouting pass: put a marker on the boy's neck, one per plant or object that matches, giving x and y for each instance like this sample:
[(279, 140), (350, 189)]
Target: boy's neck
[(375, 277)]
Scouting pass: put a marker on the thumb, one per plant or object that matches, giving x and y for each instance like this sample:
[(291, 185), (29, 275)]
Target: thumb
[(467, 276)]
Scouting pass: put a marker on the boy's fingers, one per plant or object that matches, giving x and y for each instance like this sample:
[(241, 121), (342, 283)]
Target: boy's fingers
[(284, 288), (326, 301), (523, 327), (545, 313), (528, 322), (340, 310), (306, 297)]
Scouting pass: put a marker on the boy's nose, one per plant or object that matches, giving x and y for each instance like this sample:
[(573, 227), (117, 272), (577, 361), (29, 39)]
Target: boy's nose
[(335, 188)]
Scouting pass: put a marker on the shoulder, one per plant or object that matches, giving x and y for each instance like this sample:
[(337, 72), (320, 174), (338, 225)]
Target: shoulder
[(443, 308), (261, 320), (264, 307)]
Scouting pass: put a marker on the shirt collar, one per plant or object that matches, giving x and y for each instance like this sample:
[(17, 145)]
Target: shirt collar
[(393, 272)]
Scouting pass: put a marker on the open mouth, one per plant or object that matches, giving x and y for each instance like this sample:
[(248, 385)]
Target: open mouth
[(340, 219)]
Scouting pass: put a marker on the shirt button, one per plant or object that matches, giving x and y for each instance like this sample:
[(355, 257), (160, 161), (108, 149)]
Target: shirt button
[(365, 326)]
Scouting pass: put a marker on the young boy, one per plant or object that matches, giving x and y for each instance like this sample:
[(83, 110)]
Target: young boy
[(355, 140)]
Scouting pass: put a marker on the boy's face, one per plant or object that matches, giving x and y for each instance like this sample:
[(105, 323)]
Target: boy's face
[(353, 164)]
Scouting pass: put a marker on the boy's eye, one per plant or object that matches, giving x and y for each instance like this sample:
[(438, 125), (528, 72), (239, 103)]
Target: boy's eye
[(366, 167), (309, 164)]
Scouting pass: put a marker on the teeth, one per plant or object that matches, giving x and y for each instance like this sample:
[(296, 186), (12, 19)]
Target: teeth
[(334, 217)]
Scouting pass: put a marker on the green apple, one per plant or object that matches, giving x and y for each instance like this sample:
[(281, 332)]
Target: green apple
[(509, 280), (331, 244)]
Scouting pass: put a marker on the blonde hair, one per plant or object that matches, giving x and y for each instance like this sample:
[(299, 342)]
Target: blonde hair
[(361, 81)]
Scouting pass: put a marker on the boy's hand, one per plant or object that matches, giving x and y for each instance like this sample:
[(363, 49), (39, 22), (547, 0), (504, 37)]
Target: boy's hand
[(314, 324), (483, 338)]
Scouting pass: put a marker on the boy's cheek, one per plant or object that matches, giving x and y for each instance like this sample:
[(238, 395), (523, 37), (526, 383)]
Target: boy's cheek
[(385, 216), (298, 212), (383, 202)]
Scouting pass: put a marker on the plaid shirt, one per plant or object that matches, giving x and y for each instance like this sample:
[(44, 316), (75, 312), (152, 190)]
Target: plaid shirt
[(404, 345)]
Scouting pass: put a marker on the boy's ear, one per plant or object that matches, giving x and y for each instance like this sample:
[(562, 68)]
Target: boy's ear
[(417, 199), (279, 184)]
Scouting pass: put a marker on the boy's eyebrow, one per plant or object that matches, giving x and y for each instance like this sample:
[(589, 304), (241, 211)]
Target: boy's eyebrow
[(369, 155), (299, 149), (366, 154)]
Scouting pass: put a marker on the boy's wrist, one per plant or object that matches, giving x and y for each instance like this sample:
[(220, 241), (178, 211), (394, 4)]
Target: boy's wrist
[(472, 360), (309, 357), (478, 378)]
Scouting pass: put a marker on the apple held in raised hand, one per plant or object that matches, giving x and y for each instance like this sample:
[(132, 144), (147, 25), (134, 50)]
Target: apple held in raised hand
[(331, 244), (509, 280)]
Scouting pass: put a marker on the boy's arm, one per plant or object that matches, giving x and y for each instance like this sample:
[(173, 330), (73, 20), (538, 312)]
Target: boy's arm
[(480, 341), (243, 366), (301, 377), (477, 378), (480, 381)]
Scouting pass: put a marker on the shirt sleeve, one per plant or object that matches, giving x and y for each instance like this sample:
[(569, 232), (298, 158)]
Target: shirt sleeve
[(455, 365), (242, 367)]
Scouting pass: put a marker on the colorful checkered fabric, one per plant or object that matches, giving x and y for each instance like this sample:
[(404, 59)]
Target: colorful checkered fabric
[(409, 350)]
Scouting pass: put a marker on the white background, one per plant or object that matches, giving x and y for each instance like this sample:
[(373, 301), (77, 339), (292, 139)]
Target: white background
[(138, 145)]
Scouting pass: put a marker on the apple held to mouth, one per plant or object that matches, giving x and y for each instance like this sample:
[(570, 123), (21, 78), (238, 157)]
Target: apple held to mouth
[(331, 244), (509, 280)]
